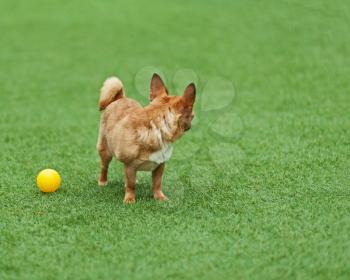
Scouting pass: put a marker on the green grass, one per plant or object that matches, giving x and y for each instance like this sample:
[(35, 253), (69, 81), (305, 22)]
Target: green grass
[(259, 189)]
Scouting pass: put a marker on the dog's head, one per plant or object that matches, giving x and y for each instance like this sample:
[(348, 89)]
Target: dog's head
[(182, 106)]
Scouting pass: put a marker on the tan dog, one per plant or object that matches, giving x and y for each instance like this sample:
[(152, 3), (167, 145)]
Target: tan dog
[(140, 137)]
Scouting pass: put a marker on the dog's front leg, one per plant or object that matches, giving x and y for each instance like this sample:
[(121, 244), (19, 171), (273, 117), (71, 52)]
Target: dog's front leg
[(157, 175), (130, 180)]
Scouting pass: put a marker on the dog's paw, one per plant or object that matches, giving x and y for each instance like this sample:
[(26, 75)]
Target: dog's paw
[(129, 198), (102, 183), (160, 196)]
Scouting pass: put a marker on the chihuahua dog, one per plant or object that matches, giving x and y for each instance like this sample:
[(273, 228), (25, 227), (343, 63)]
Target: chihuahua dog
[(141, 137)]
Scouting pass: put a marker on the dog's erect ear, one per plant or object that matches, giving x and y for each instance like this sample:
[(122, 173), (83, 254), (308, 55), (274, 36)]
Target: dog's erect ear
[(157, 87), (190, 94)]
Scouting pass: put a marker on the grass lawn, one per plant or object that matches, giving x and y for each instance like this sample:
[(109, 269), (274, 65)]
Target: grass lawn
[(258, 189)]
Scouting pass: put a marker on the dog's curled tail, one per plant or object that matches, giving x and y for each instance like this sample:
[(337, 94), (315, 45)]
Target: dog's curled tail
[(111, 90)]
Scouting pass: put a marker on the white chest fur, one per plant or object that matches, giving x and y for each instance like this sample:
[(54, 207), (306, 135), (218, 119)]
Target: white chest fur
[(162, 155)]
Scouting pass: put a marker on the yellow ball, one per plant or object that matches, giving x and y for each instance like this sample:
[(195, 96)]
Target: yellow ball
[(48, 180)]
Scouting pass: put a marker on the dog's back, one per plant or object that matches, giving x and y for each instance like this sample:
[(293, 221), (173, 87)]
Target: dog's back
[(118, 110), (115, 107)]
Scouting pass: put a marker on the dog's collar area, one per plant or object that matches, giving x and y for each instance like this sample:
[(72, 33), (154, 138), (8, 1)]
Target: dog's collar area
[(162, 155)]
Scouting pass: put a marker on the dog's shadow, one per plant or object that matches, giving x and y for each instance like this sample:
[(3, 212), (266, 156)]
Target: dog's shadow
[(112, 195), (115, 189)]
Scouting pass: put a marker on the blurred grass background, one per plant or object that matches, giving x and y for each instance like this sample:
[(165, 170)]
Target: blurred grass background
[(270, 201)]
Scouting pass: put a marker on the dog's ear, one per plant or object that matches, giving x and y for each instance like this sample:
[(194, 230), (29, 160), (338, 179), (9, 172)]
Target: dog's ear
[(157, 87), (189, 95)]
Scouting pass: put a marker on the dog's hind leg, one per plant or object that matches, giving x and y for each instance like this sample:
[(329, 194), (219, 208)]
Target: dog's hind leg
[(106, 158)]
